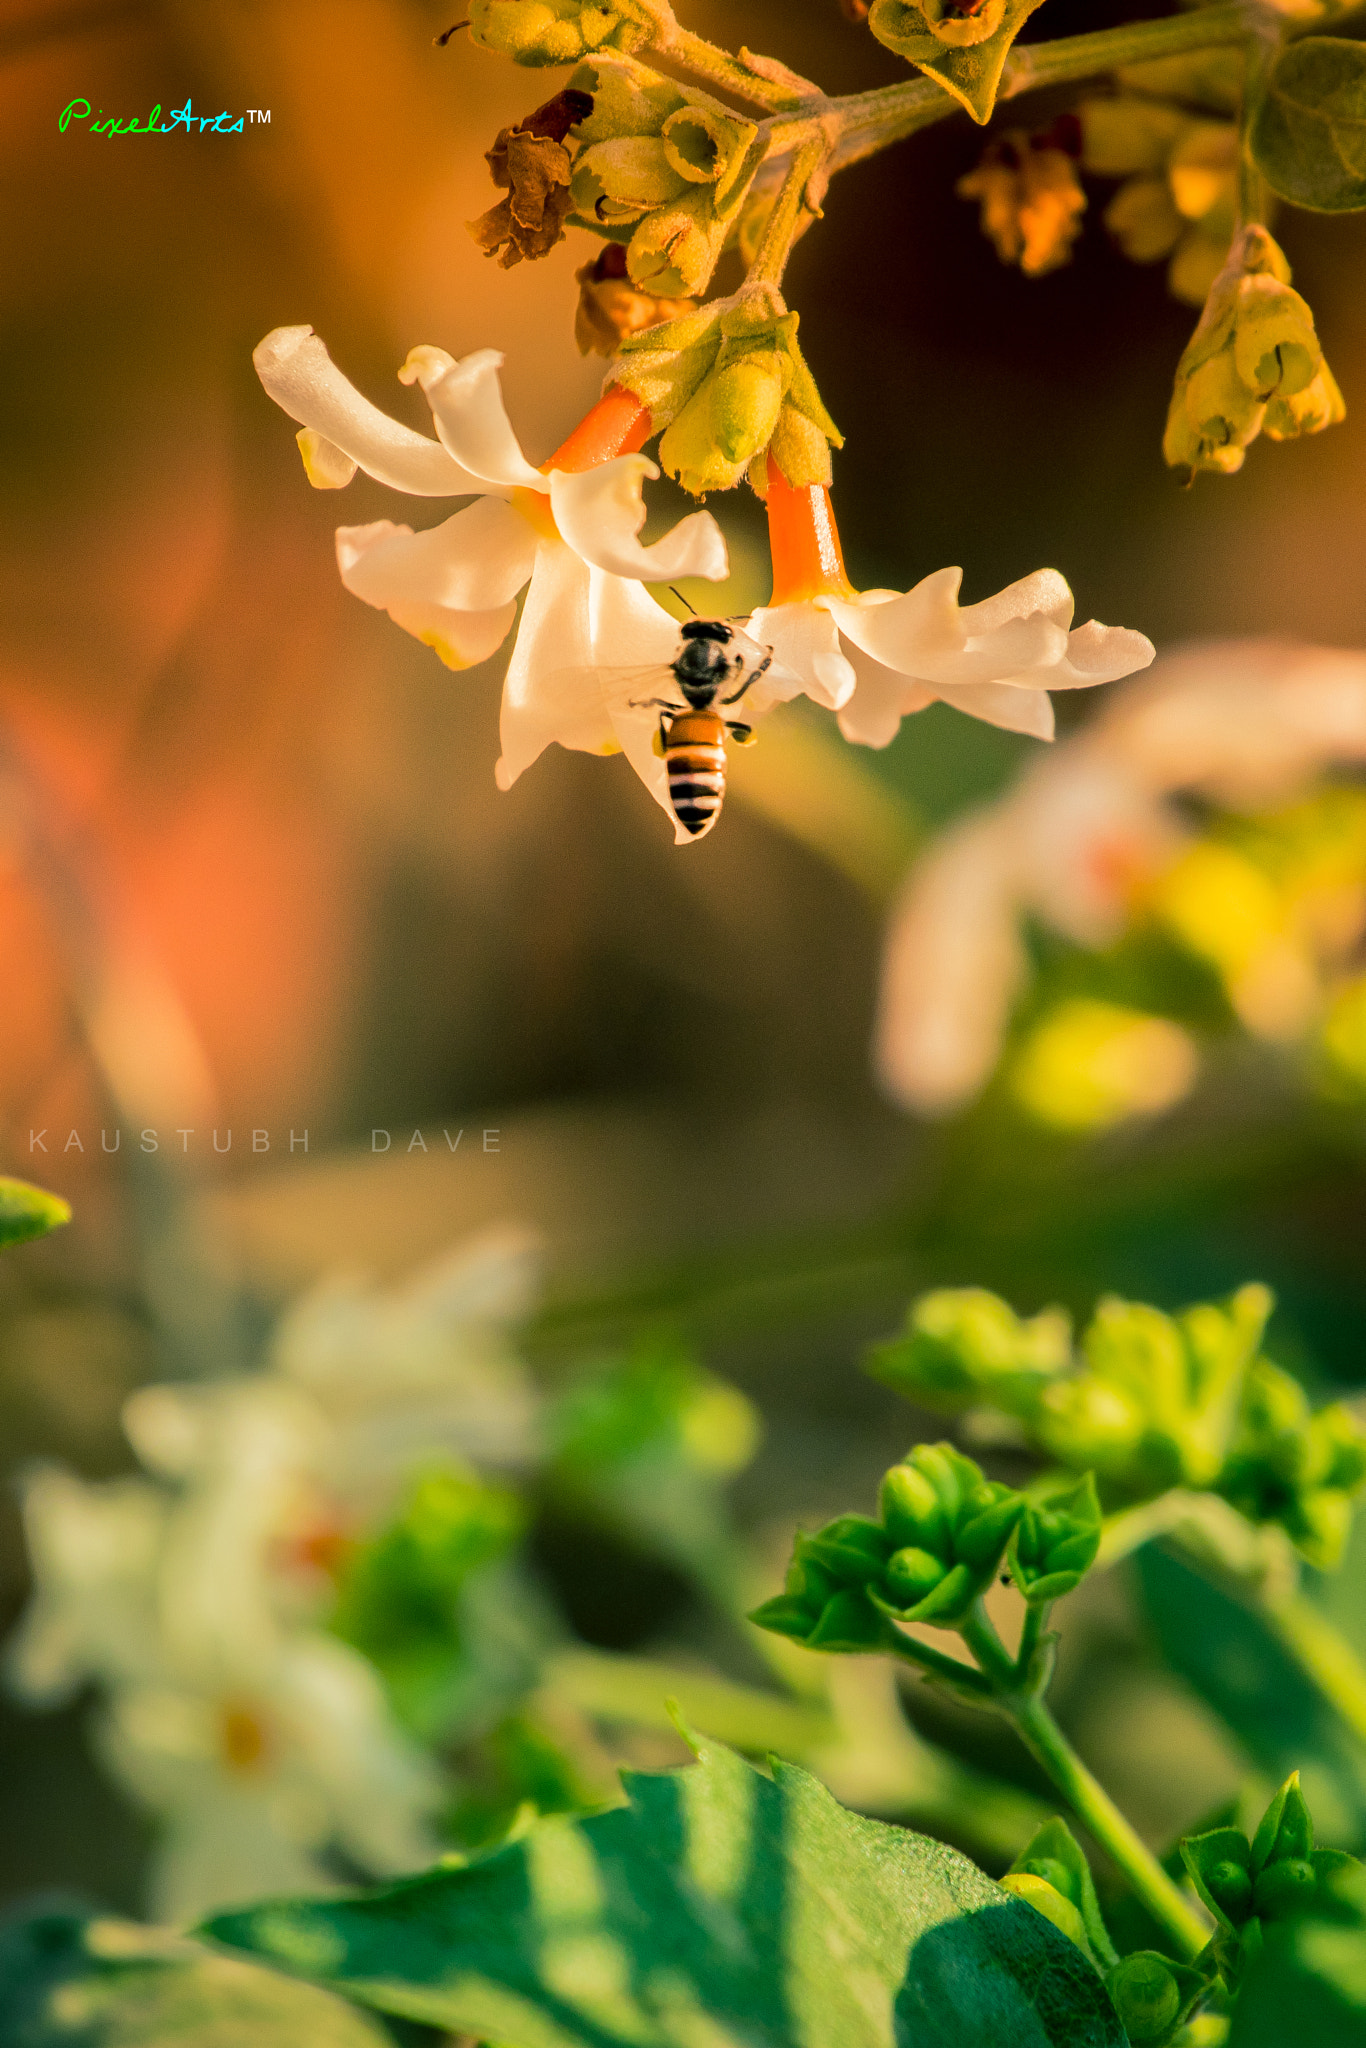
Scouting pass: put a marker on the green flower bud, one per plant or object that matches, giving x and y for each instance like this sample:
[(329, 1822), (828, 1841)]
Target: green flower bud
[(963, 48), (1056, 1545), (911, 1510), (784, 1616), (623, 179), (1254, 346), (674, 250), (1046, 1899), (1218, 1863), (732, 416), (849, 1623), (556, 31), (1126, 135), (963, 1346), (1229, 1885), (1285, 1832), (666, 364), (628, 98), (1051, 1871), (989, 1518), (1147, 1996), (911, 1574), (1285, 1888), (707, 146), (852, 1549), (1319, 405), (1053, 1855)]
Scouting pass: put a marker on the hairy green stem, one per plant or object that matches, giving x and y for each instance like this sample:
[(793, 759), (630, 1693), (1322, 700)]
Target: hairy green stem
[(783, 224), (717, 66), (1097, 1812), (1253, 192)]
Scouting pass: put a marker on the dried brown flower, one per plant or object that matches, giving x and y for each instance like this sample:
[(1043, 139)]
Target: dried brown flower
[(531, 163), (610, 307), (1031, 197)]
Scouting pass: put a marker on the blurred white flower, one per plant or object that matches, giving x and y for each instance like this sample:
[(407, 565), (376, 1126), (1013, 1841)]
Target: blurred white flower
[(568, 532), (93, 1552), (1090, 830)]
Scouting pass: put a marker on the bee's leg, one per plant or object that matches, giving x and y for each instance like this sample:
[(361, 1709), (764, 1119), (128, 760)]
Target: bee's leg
[(741, 734), (750, 680), (656, 704)]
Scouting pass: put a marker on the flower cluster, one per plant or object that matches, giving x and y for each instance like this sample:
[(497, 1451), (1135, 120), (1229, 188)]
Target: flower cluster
[(1031, 198), (937, 1543), (1276, 1876), (1147, 1402), (1251, 921)]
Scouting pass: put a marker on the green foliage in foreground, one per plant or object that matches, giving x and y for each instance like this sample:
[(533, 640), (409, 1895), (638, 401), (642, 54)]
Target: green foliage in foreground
[(717, 1906), (71, 1980), (27, 1211)]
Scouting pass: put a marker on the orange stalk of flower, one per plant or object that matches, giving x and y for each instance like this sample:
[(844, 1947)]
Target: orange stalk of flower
[(804, 542), (617, 425)]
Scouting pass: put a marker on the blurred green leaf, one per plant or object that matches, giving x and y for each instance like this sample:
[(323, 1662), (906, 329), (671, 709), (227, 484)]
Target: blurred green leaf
[(1309, 1983), (1309, 132), (1232, 1658), (70, 1980), (717, 1906), (26, 1211)]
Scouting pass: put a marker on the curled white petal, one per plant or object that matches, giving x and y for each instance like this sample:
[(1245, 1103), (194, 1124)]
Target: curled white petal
[(385, 565), (473, 561), (600, 511), (466, 399), (881, 699), (925, 634), (1100, 654), (1044, 593), (295, 368), (543, 696), (807, 656), (1004, 704)]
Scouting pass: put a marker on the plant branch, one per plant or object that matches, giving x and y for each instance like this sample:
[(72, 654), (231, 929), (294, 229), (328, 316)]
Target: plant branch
[(934, 1664), (771, 87), (795, 197)]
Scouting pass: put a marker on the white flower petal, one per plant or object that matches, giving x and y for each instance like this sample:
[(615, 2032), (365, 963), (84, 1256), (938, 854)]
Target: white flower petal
[(872, 717), (1044, 592), (951, 965), (473, 561), (544, 695), (466, 399), (1099, 654), (327, 467), (1006, 705), (388, 567), (806, 657), (630, 628), (294, 366), (600, 511), (924, 634)]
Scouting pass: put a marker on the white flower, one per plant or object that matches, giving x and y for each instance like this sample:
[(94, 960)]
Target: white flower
[(568, 533), (93, 1552), (1088, 830), (875, 656)]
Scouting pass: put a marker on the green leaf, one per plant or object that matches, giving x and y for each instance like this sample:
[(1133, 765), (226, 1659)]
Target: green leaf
[(69, 1980), (1053, 1853), (26, 1211), (1309, 1982), (1229, 1654), (717, 1908), (1309, 132)]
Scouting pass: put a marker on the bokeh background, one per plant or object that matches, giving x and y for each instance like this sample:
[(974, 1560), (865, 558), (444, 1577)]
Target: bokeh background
[(255, 875)]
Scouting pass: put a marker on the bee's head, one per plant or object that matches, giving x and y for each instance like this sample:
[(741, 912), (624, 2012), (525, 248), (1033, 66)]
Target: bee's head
[(704, 662), (706, 629)]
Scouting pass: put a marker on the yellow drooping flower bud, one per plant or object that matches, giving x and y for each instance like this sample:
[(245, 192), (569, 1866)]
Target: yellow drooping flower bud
[(1031, 197), (761, 399), (1254, 348), (1180, 190), (557, 31)]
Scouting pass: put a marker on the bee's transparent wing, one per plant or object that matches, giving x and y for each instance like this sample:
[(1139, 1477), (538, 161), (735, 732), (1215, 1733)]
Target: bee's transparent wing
[(638, 683)]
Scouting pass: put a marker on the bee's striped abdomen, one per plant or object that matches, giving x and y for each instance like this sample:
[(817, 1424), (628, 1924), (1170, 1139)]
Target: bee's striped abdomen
[(695, 760)]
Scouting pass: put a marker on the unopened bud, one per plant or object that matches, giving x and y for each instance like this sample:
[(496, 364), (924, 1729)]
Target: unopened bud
[(556, 31), (1147, 1997)]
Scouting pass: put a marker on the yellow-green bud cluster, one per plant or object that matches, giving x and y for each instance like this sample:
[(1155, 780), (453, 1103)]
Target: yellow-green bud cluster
[(557, 31), (938, 1540), (729, 383), (1178, 199), (1151, 1401), (1252, 366), (663, 169), (1292, 1466), (1275, 1876)]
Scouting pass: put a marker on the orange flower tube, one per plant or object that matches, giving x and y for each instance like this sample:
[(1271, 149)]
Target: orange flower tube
[(617, 425), (804, 542)]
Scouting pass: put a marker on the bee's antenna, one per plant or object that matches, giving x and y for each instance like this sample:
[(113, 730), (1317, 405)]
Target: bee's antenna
[(446, 34), (676, 592)]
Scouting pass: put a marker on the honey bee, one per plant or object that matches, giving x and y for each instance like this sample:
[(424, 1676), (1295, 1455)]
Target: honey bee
[(692, 735)]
